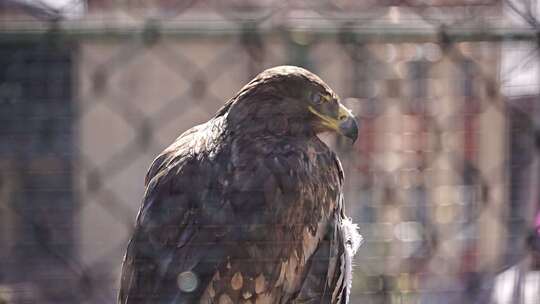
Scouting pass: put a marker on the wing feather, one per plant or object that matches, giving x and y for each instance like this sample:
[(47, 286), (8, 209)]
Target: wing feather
[(169, 237)]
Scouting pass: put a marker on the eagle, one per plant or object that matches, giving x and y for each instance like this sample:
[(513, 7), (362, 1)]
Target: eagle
[(248, 207)]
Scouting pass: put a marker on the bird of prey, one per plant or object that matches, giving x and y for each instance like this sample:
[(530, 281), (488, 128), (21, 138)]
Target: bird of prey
[(248, 207)]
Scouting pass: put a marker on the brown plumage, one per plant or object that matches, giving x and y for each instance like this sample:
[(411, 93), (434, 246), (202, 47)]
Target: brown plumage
[(248, 207)]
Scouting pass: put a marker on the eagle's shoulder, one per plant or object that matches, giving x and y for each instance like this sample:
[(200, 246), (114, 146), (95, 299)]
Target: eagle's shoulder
[(199, 142), (296, 160)]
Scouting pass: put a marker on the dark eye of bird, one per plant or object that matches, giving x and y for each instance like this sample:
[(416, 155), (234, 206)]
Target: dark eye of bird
[(317, 98)]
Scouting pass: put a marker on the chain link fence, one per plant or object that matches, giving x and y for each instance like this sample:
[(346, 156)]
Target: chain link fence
[(443, 179)]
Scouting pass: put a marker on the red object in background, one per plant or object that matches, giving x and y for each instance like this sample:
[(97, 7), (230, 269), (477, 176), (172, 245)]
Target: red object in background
[(365, 145), (537, 223)]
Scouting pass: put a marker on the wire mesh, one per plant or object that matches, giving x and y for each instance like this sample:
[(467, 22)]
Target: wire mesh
[(443, 178)]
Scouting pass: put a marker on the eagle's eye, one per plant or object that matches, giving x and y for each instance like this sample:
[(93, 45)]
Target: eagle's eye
[(318, 98)]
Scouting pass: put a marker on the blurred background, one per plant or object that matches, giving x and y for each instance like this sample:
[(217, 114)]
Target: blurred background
[(443, 180)]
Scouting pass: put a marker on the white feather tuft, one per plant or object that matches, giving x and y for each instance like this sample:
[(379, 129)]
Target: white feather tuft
[(353, 240), (352, 236)]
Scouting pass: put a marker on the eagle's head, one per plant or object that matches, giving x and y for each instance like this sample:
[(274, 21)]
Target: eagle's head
[(290, 100)]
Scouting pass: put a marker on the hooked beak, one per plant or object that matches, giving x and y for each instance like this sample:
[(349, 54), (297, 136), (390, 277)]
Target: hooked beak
[(345, 124), (348, 126)]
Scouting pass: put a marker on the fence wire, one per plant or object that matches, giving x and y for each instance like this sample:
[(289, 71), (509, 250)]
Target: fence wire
[(443, 179)]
